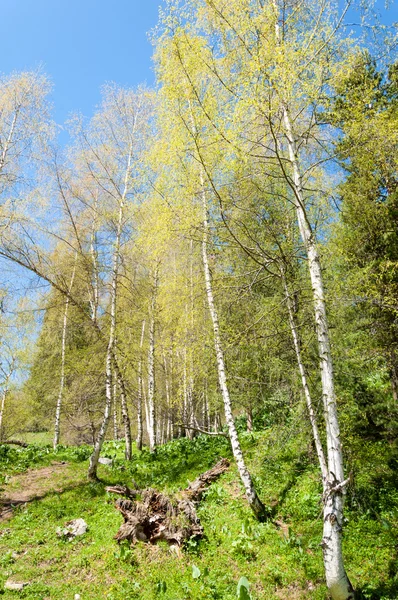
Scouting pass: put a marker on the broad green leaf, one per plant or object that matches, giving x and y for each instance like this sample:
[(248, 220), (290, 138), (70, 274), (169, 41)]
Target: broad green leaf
[(195, 572), (243, 589)]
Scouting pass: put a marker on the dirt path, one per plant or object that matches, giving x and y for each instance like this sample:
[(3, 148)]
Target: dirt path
[(35, 484)]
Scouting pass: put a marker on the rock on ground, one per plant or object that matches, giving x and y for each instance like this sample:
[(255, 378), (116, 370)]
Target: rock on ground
[(73, 529), (14, 586), (105, 461)]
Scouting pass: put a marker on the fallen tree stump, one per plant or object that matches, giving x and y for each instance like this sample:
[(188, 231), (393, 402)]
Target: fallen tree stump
[(150, 516), (15, 443)]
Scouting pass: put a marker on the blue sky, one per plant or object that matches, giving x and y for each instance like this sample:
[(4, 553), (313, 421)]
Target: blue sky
[(80, 44)]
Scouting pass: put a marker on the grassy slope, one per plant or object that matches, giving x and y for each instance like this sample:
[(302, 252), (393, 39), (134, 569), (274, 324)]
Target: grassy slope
[(279, 563)]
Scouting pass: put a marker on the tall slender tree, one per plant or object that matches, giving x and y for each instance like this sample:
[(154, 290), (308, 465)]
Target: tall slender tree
[(291, 52)]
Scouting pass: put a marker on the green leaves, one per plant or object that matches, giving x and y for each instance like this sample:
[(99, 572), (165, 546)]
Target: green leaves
[(242, 590), (125, 553), (161, 587), (196, 573)]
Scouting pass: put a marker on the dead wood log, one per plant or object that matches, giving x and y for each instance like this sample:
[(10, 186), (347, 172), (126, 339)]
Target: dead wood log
[(15, 443), (195, 489), (150, 516)]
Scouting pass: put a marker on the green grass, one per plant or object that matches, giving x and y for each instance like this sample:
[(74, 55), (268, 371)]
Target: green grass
[(41, 438), (278, 563)]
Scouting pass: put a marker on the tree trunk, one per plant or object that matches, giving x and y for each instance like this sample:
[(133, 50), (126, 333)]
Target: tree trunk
[(333, 498), (150, 405), (150, 516), (334, 486), (249, 414), (394, 376), (115, 428), (94, 300), (304, 382), (251, 494), (92, 470), (151, 424), (3, 402), (207, 423), (172, 407), (191, 380), (125, 412), (6, 146), (63, 351), (168, 402), (139, 394), (184, 394), (15, 443)]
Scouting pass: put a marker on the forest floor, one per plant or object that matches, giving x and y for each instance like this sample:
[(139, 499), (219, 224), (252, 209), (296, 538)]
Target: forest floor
[(35, 484), (281, 560)]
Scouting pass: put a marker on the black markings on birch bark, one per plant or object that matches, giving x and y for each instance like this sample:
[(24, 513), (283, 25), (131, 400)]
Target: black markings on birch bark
[(140, 390)]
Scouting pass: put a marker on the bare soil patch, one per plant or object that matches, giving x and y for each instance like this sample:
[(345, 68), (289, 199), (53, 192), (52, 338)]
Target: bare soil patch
[(33, 485)]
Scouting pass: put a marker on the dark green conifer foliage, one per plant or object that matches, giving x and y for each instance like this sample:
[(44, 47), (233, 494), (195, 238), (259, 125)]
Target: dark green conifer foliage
[(366, 111)]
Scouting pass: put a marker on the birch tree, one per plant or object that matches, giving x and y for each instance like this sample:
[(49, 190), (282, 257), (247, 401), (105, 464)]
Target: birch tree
[(151, 409), (111, 154), (251, 494), (139, 390), (291, 52), (7, 372), (25, 126), (16, 329), (63, 352), (191, 136)]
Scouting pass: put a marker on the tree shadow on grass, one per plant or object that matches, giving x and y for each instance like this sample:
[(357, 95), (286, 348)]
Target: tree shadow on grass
[(385, 589), (8, 508)]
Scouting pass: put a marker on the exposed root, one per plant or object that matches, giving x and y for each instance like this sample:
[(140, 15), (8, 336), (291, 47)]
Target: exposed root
[(150, 516)]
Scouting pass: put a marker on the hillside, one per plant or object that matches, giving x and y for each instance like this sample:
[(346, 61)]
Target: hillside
[(281, 559), (199, 308)]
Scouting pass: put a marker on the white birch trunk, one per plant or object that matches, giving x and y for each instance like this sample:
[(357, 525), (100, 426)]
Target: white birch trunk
[(180, 408), (304, 383), (151, 423), (150, 404), (146, 409), (57, 424), (161, 429), (191, 381), (92, 470), (115, 428), (8, 142), (139, 392), (334, 487), (172, 409), (5, 393), (93, 253), (251, 494), (185, 394), (333, 497), (217, 422), (168, 403), (207, 423), (2, 407), (204, 410)]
